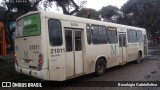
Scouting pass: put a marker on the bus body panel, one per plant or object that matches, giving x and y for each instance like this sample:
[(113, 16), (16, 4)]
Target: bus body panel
[(55, 56), (28, 50)]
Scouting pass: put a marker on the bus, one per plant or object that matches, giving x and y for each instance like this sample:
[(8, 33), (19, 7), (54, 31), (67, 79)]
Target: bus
[(58, 47), (3, 50)]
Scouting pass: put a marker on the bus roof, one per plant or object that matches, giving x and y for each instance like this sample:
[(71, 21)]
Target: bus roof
[(78, 19)]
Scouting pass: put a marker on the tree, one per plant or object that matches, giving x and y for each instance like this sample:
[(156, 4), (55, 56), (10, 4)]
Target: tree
[(22, 6), (65, 5), (2, 14), (110, 13), (142, 13), (88, 13), (32, 5)]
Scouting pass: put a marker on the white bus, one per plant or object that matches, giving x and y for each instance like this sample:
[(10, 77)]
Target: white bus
[(58, 47)]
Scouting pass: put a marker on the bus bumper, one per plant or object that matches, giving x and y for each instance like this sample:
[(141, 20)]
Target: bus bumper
[(43, 74)]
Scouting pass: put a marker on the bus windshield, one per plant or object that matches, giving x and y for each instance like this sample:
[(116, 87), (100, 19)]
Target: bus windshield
[(28, 26)]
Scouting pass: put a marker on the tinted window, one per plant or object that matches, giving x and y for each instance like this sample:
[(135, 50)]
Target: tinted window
[(112, 35), (129, 35), (88, 28), (139, 36), (120, 40), (124, 41), (78, 45), (68, 39), (99, 34), (132, 36), (55, 32), (102, 30), (95, 29)]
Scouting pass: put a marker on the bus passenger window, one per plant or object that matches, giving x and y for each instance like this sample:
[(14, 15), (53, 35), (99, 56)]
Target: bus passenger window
[(132, 36), (99, 34), (88, 28), (128, 35), (68, 39), (140, 36), (112, 36), (55, 32)]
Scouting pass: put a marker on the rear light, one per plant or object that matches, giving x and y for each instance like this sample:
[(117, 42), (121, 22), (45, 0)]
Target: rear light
[(15, 58), (40, 62)]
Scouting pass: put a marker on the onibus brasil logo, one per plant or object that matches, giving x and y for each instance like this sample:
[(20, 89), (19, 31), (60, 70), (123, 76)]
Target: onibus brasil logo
[(15, 84)]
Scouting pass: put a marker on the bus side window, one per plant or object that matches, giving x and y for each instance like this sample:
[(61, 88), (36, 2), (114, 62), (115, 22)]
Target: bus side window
[(88, 28), (140, 36), (112, 36), (95, 34), (132, 36), (128, 33), (99, 34), (55, 32)]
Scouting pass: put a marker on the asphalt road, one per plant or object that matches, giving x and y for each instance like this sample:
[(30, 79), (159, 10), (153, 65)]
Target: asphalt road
[(147, 70)]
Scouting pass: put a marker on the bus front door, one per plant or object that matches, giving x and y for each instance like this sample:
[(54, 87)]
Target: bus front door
[(74, 61), (122, 48)]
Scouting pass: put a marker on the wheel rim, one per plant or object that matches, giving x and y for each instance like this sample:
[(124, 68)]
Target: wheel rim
[(100, 67)]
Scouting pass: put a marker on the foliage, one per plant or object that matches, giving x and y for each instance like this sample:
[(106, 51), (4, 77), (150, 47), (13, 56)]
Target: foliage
[(142, 13), (2, 10), (69, 7), (24, 6), (109, 13), (88, 13), (32, 5)]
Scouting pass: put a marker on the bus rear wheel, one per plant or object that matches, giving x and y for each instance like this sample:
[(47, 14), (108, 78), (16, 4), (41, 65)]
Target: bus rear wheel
[(139, 58), (100, 67)]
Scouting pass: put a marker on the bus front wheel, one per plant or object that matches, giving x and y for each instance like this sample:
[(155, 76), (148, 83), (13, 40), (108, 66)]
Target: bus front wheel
[(100, 67)]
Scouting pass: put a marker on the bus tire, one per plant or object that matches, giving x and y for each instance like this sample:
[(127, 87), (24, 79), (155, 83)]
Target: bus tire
[(100, 67), (139, 58)]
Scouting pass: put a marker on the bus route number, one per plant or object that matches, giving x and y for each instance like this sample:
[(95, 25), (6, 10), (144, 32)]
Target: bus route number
[(59, 50), (74, 24)]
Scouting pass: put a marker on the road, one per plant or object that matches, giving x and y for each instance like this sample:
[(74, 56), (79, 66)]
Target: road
[(147, 70)]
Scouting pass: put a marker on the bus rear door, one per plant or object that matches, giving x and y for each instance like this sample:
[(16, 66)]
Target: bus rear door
[(122, 48), (74, 60)]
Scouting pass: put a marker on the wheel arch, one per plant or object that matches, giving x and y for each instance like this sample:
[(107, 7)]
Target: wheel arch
[(99, 57), (140, 51)]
